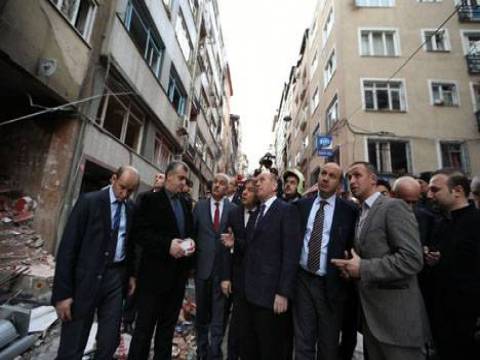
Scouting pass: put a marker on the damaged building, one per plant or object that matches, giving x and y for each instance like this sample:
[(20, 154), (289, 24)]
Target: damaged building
[(89, 85)]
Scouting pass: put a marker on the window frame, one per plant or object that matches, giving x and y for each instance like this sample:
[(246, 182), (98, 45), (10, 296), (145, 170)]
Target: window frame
[(464, 33), (463, 154), (391, 3), (447, 43), (403, 95), (90, 18), (432, 82), (127, 116), (377, 141), (383, 30), (328, 26), (334, 103), (329, 71)]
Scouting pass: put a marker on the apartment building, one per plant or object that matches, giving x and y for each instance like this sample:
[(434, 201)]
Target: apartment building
[(394, 82), (89, 85)]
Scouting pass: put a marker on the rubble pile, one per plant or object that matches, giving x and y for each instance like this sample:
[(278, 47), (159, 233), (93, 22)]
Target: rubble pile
[(24, 265)]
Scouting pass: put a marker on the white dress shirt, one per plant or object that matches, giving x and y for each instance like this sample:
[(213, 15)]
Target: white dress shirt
[(122, 229), (213, 207), (329, 210), (246, 215)]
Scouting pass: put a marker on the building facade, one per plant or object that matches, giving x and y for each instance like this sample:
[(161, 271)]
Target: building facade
[(90, 85), (394, 82)]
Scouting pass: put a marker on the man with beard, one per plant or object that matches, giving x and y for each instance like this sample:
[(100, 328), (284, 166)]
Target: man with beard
[(457, 274)]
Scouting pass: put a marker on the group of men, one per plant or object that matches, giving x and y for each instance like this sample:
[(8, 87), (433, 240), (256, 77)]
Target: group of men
[(300, 274)]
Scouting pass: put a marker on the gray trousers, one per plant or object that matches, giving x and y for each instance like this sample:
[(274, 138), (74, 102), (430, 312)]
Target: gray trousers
[(74, 334), (380, 351), (209, 318), (316, 322)]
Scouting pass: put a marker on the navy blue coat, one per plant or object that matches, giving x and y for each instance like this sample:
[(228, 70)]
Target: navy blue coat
[(85, 251), (271, 255)]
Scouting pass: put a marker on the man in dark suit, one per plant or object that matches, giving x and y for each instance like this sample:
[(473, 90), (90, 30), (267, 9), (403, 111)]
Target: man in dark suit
[(163, 229), (385, 262), (210, 221), (457, 270), (240, 221), (328, 228), (130, 307), (272, 251), (94, 262)]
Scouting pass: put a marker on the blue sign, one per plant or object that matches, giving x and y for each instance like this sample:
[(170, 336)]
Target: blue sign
[(324, 146)]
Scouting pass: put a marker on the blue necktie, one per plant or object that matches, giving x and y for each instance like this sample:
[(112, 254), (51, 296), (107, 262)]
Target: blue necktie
[(178, 210), (117, 217)]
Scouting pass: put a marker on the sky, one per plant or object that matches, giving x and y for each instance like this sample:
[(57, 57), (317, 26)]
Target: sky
[(262, 40)]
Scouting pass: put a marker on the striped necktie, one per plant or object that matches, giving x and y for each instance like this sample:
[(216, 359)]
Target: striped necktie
[(315, 243)]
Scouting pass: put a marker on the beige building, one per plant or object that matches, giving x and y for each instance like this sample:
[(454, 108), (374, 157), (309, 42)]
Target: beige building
[(394, 82), (89, 85)]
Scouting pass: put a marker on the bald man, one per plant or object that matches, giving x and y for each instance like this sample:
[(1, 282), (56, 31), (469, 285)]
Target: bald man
[(327, 228), (94, 263), (409, 190)]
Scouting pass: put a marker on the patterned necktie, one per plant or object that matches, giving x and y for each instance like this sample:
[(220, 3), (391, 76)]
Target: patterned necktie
[(216, 217), (315, 243)]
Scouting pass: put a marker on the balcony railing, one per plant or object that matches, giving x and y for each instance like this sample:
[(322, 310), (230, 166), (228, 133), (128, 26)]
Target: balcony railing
[(469, 13), (473, 63)]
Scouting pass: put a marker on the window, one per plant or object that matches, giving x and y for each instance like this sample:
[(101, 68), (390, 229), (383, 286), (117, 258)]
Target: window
[(379, 43), (475, 96), (144, 37), (183, 37), (167, 3), (389, 156), (444, 94), (122, 118), (436, 40), (176, 93), (332, 113), (162, 153), (327, 28), (199, 144), (375, 3), (384, 96), (471, 42), (314, 63), (80, 13), (315, 100), (453, 155), (330, 68)]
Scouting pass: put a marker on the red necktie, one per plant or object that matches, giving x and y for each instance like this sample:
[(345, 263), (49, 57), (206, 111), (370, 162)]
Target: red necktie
[(216, 217)]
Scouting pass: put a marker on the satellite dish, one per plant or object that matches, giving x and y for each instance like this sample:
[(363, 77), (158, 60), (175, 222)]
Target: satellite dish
[(47, 67)]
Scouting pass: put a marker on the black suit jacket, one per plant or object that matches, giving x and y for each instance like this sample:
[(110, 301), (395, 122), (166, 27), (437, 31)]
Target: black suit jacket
[(233, 267), (85, 251), (154, 228), (271, 255), (341, 238)]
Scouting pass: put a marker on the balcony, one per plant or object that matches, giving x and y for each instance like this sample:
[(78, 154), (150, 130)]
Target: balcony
[(473, 63), (477, 116), (469, 13)]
